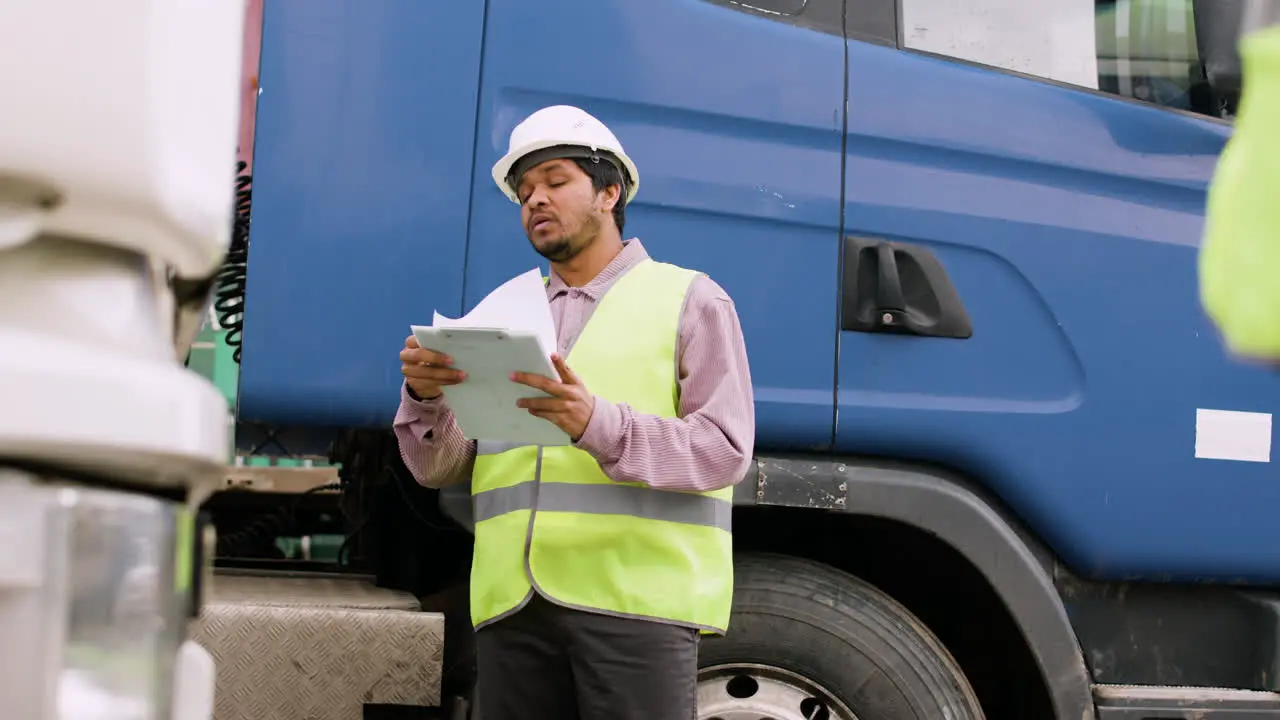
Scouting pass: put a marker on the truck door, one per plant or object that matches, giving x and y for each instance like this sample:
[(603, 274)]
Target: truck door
[(734, 118), (1033, 247), (362, 170)]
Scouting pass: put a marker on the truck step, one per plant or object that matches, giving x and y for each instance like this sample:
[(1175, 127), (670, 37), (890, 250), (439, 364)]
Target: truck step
[(1159, 702), (317, 646)]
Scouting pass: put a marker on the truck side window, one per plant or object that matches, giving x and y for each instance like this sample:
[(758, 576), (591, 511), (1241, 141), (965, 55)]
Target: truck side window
[(1147, 50)]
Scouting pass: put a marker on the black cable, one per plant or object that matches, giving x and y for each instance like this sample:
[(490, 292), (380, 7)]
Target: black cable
[(369, 461), (349, 452), (409, 502), (342, 559), (228, 300)]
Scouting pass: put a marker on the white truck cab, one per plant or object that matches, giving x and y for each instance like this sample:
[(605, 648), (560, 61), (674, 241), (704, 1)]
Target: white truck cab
[(117, 151)]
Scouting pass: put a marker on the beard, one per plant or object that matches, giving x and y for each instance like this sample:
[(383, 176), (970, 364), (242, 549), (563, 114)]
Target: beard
[(567, 247), (561, 249)]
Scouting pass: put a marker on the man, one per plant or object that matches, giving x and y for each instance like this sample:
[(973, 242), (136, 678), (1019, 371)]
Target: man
[(597, 565), (1240, 255)]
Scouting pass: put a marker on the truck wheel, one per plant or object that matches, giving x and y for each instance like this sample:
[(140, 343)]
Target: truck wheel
[(809, 641)]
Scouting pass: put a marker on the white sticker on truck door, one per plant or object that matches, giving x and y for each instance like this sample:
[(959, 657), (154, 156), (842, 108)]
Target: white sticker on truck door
[(1233, 435)]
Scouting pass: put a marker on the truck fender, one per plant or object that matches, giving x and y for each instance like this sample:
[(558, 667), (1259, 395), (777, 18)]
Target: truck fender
[(948, 507)]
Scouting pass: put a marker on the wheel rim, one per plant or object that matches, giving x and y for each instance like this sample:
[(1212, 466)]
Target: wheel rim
[(743, 691)]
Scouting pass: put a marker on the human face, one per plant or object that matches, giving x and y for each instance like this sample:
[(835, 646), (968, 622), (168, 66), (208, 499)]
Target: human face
[(560, 210)]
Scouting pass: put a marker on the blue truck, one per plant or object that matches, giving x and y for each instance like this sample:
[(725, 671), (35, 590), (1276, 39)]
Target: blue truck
[(1005, 468)]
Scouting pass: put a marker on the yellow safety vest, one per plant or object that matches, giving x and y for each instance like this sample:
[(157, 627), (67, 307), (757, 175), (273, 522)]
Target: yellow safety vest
[(548, 517), (1240, 256)]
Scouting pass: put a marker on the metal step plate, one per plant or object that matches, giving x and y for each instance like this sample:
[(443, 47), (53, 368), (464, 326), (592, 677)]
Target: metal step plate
[(317, 647), (1157, 702)]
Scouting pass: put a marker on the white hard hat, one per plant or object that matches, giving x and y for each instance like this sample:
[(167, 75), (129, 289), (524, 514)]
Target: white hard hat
[(561, 131)]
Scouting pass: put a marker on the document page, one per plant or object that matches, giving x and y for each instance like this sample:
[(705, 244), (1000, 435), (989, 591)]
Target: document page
[(523, 338), (519, 304)]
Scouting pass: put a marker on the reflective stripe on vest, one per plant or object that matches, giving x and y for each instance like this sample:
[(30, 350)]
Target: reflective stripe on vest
[(615, 499), (1240, 257), (548, 518)]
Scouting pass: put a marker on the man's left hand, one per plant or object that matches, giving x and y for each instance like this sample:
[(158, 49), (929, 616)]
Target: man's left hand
[(570, 405)]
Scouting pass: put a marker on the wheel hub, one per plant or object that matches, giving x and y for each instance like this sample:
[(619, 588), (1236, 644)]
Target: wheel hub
[(743, 691)]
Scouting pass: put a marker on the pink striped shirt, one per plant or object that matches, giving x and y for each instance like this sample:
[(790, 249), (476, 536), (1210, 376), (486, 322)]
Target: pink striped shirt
[(707, 447)]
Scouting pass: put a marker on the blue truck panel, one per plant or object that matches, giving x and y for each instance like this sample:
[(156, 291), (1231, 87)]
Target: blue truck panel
[(739, 166), (1069, 222), (366, 121)]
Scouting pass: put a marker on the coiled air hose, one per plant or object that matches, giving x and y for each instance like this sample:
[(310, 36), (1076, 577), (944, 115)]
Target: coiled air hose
[(228, 300)]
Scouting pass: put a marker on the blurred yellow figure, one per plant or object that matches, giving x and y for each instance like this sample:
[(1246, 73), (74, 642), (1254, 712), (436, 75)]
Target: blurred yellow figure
[(1240, 256)]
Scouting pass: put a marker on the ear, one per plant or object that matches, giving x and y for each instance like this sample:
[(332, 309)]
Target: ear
[(612, 196)]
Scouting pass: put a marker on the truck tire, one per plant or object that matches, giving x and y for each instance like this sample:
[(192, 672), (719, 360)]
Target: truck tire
[(809, 641)]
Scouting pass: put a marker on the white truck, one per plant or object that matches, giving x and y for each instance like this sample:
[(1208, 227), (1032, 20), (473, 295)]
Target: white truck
[(117, 140)]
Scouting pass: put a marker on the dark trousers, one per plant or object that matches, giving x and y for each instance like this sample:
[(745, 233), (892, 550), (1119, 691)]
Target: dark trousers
[(547, 662)]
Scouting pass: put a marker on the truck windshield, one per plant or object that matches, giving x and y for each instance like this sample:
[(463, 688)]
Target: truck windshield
[(1148, 50)]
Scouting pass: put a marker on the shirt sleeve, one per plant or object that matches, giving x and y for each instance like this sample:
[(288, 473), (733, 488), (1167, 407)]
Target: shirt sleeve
[(709, 446), (431, 444)]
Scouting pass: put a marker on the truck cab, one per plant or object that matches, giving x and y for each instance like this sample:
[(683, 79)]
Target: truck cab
[(961, 238)]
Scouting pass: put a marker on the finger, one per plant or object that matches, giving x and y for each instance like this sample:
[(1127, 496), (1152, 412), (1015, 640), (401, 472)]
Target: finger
[(566, 375), (550, 404), (433, 374), (409, 356), (427, 388), (411, 343), (538, 382), (555, 418)]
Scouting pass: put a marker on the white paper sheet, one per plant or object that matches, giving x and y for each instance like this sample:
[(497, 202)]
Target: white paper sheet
[(484, 404), (517, 304)]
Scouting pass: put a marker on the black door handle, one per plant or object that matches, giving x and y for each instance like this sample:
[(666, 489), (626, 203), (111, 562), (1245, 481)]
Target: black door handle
[(891, 287)]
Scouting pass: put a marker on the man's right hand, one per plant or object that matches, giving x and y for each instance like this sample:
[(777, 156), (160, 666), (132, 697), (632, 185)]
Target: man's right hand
[(426, 372)]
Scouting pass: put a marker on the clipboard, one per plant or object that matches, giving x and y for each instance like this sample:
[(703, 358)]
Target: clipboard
[(485, 403)]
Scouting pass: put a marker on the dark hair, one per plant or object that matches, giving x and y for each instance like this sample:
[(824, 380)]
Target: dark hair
[(603, 174)]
